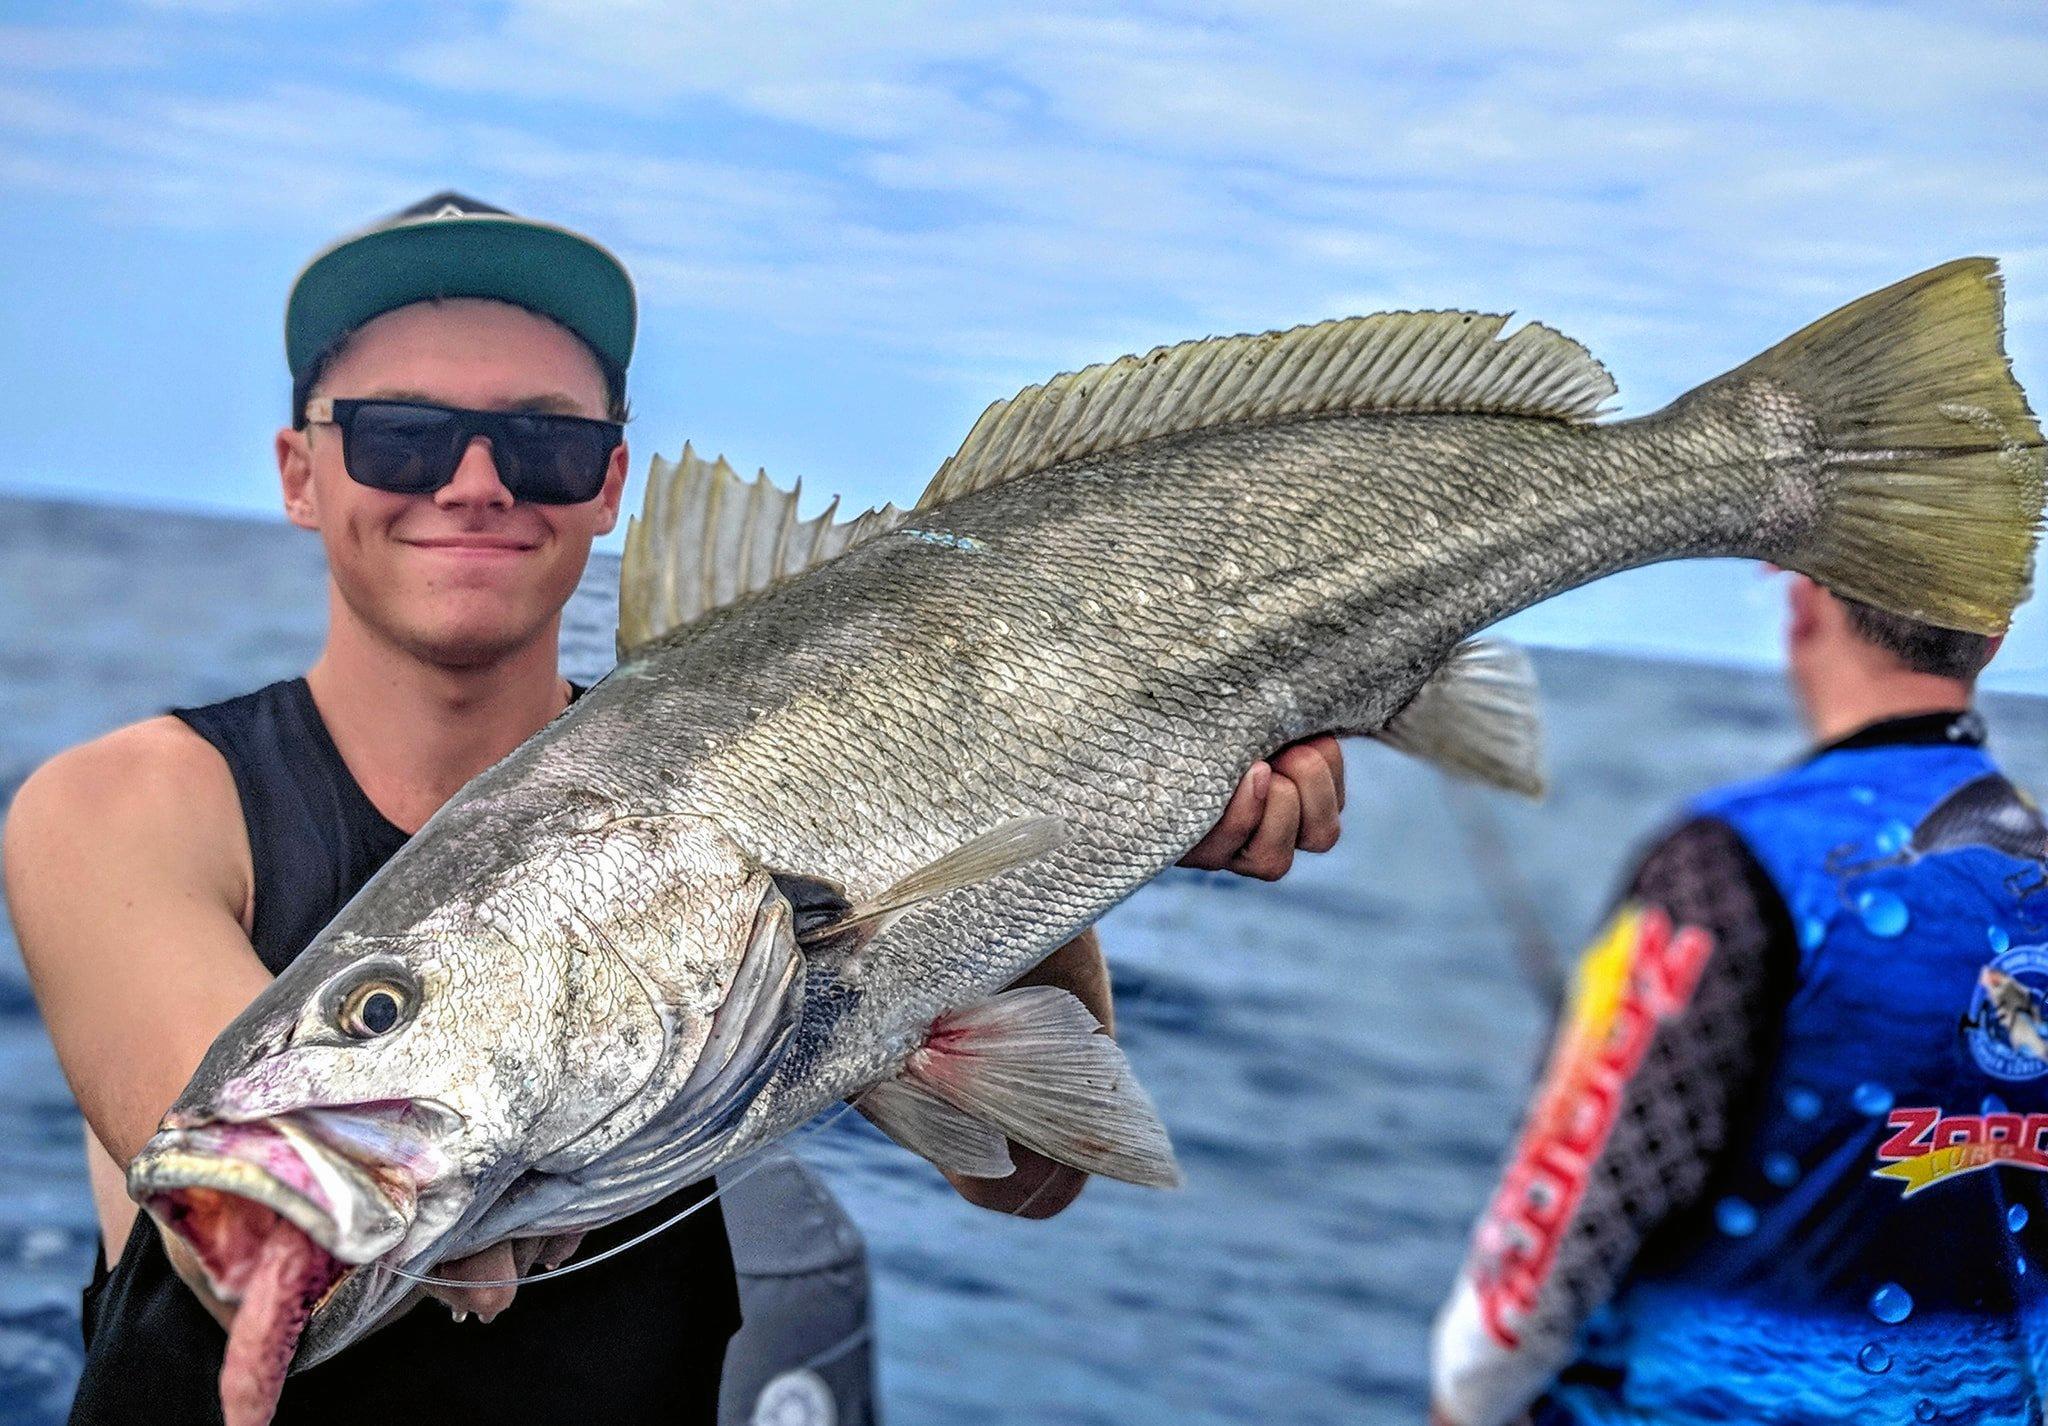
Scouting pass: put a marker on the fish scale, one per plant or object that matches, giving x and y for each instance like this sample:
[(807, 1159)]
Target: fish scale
[(1339, 524)]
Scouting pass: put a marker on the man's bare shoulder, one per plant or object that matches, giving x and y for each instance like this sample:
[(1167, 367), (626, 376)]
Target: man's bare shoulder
[(154, 767), (152, 795)]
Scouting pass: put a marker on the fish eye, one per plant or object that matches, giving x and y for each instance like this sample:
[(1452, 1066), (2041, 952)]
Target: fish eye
[(373, 1008)]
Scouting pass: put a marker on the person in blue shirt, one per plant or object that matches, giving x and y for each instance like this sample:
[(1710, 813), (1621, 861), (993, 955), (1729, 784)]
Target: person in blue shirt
[(1786, 1161)]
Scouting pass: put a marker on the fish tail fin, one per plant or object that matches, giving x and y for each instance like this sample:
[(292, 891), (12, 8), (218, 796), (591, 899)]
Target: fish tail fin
[(1930, 476)]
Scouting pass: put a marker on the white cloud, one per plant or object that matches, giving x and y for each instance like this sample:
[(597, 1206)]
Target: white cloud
[(988, 189), (974, 197), (73, 48)]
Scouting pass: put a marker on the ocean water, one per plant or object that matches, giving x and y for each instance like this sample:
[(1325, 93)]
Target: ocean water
[(1342, 1057)]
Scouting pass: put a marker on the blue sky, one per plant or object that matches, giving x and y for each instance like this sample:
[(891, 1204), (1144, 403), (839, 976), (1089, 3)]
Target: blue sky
[(855, 225)]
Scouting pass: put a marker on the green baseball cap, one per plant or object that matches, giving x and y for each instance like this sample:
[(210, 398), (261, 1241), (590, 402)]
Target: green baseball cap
[(450, 245)]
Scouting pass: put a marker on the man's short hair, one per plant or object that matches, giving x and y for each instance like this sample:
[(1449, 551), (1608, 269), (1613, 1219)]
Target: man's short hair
[(1923, 648), (307, 383)]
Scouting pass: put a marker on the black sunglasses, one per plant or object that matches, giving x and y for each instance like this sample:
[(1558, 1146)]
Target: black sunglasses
[(413, 448)]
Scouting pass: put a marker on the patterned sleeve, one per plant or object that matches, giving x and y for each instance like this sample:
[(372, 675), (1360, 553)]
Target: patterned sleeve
[(1660, 1045)]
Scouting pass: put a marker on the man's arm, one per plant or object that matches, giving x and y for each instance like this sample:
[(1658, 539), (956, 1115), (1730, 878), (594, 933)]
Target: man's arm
[(1670, 1019), (128, 884), (128, 881)]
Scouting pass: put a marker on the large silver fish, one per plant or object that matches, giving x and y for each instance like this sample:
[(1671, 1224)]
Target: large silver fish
[(850, 780)]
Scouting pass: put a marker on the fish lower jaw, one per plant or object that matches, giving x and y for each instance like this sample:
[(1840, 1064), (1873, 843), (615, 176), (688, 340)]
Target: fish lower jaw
[(276, 1275), (223, 1228)]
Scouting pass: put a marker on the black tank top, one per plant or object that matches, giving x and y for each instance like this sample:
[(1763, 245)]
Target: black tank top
[(636, 1339)]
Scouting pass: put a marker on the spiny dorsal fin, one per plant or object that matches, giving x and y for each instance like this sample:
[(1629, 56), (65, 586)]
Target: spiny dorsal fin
[(1390, 361), (704, 537)]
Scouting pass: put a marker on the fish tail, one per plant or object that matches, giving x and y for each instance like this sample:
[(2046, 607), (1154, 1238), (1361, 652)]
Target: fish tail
[(1930, 472)]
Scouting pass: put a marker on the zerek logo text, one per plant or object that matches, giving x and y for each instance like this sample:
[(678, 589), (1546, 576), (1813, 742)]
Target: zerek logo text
[(1640, 973)]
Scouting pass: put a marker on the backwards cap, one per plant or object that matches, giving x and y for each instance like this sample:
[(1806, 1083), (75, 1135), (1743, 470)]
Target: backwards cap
[(453, 246)]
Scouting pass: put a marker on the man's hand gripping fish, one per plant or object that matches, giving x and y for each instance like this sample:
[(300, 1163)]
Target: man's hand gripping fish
[(852, 779)]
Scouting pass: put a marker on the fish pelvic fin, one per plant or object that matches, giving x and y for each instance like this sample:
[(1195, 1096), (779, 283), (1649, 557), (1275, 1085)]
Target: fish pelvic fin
[(1477, 717), (931, 1128), (1389, 361), (1931, 465), (705, 537), (1032, 1065)]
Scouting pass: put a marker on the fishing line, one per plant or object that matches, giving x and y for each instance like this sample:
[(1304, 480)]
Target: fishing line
[(1487, 852), (832, 1353), (725, 1182)]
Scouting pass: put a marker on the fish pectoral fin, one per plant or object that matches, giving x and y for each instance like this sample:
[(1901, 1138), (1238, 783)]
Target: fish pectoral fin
[(1477, 717), (931, 1128), (1001, 849), (1033, 1064), (815, 905)]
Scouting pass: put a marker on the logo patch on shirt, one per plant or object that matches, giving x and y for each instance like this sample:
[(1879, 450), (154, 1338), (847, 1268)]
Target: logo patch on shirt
[(1929, 1146), (2007, 1027)]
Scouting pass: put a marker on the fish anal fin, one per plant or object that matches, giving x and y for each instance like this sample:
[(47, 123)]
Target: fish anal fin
[(1387, 362), (933, 1129), (1477, 717), (1032, 1063), (705, 537)]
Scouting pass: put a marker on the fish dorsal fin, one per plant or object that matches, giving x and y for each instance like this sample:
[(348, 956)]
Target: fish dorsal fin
[(1390, 361), (704, 537)]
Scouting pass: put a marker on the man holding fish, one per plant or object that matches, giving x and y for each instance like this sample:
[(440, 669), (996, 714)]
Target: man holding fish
[(457, 441)]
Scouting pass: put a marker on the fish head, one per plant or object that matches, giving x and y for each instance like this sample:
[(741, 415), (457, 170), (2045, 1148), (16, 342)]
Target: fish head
[(365, 1100), (382, 1096)]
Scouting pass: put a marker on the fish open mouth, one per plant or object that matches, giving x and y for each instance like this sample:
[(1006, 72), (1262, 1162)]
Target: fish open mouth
[(277, 1274), (280, 1213), (346, 1177)]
